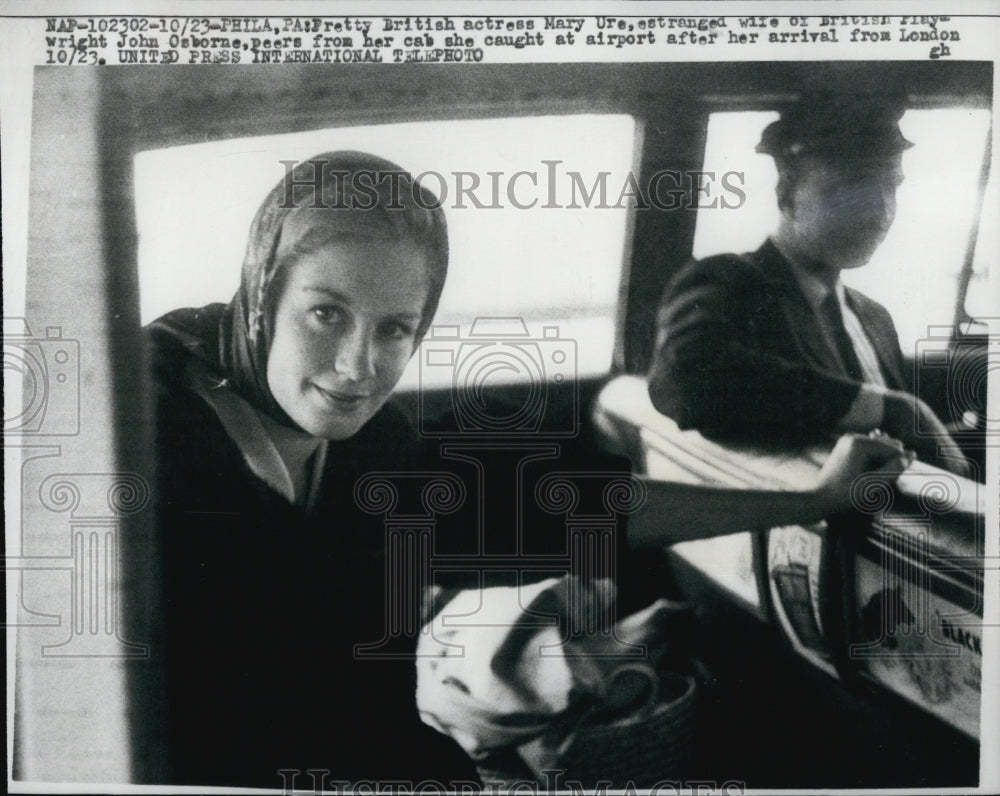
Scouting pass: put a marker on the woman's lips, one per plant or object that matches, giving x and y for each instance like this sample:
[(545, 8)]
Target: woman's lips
[(343, 401)]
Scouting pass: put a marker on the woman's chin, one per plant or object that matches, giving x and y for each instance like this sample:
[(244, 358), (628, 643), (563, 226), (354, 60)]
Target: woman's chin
[(328, 416), (337, 429), (329, 425)]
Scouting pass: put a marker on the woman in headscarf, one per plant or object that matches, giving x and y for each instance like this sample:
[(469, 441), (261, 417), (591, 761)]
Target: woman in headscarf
[(269, 410)]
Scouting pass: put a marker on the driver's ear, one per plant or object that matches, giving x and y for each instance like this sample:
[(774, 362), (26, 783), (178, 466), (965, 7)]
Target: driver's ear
[(785, 193)]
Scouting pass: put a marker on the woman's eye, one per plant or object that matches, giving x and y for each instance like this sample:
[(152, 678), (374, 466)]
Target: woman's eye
[(398, 331), (327, 315)]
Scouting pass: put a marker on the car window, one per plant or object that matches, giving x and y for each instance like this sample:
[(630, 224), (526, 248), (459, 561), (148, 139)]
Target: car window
[(983, 295), (536, 228), (915, 272)]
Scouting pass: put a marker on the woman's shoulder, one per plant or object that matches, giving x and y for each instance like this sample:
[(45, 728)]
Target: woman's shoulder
[(176, 338), (178, 343)]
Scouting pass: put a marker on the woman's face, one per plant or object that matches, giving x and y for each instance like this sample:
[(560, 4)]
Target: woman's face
[(344, 328)]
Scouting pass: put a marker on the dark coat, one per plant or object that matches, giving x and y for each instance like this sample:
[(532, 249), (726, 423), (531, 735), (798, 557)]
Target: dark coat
[(264, 603), (740, 354)]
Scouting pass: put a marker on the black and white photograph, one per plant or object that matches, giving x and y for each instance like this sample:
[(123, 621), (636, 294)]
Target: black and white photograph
[(500, 397)]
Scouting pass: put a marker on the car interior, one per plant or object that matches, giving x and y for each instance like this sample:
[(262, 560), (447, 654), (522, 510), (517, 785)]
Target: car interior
[(538, 354)]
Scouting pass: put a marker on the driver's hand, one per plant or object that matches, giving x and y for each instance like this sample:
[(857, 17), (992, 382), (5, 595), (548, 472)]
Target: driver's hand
[(904, 414), (855, 455)]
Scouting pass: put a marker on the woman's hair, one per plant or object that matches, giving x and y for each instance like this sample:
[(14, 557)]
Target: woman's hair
[(332, 196), (338, 195)]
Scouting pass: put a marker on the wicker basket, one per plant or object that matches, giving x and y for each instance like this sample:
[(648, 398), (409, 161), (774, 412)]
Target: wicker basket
[(654, 744)]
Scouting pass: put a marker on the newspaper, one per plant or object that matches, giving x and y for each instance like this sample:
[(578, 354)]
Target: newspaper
[(573, 147)]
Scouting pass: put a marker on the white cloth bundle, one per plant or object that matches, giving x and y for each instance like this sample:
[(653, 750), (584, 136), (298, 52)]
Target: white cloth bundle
[(519, 667)]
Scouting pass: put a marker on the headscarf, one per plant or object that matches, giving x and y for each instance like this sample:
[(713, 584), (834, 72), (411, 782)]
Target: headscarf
[(329, 196)]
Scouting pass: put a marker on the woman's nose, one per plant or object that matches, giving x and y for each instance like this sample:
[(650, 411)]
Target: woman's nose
[(356, 355)]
